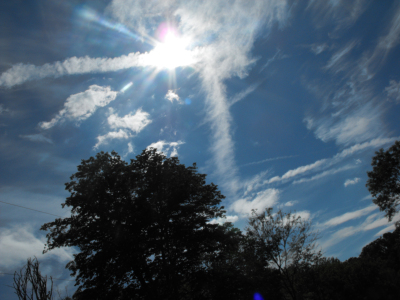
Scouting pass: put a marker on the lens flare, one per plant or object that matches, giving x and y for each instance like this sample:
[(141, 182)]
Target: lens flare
[(126, 87), (258, 296)]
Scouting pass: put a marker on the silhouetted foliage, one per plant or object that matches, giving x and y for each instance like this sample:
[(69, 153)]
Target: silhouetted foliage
[(384, 179), (142, 229), (286, 242), (374, 275), (29, 284)]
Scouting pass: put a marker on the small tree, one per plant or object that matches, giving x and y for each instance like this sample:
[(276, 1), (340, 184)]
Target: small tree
[(29, 283), (384, 180), (285, 242)]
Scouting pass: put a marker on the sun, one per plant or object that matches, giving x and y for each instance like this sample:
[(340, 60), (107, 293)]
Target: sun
[(171, 53)]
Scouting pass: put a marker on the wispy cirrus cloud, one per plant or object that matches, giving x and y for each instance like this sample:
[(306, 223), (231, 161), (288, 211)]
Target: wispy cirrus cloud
[(81, 106), (371, 222), (351, 181), (344, 13), (393, 91), (324, 174), (37, 138), (298, 171), (356, 126), (318, 48), (350, 216), (21, 73), (243, 94), (336, 62), (372, 61), (268, 160), (391, 39), (325, 163), (277, 56)]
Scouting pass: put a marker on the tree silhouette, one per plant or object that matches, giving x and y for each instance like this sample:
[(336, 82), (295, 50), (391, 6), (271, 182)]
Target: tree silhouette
[(384, 179), (142, 228), (286, 242), (29, 284)]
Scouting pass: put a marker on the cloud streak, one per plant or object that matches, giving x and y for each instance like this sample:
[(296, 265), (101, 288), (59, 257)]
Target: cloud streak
[(351, 181), (21, 73), (350, 216), (37, 138)]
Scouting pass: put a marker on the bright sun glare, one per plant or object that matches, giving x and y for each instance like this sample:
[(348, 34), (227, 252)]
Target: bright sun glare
[(171, 53)]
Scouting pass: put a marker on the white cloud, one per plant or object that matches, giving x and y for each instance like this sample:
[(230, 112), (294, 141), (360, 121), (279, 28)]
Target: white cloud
[(337, 60), (220, 221), (297, 171), (375, 143), (351, 181), (328, 162), (372, 222), (291, 203), (359, 125), (171, 96), (102, 139), (372, 62), (344, 13), (387, 229), (324, 174), (81, 106), (268, 159), (19, 243), (254, 182), (260, 201), (318, 48), (130, 149), (21, 73), (393, 91), (350, 216), (304, 214), (243, 94), (37, 138), (167, 148), (392, 38), (134, 122), (368, 197), (277, 56)]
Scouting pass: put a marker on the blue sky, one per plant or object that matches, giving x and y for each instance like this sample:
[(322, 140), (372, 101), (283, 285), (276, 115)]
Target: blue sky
[(281, 103)]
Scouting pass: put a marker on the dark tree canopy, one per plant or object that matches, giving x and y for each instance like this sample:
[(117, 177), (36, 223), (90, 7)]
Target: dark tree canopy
[(384, 179), (142, 228)]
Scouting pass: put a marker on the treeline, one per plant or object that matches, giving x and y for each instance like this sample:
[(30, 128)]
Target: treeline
[(145, 230)]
